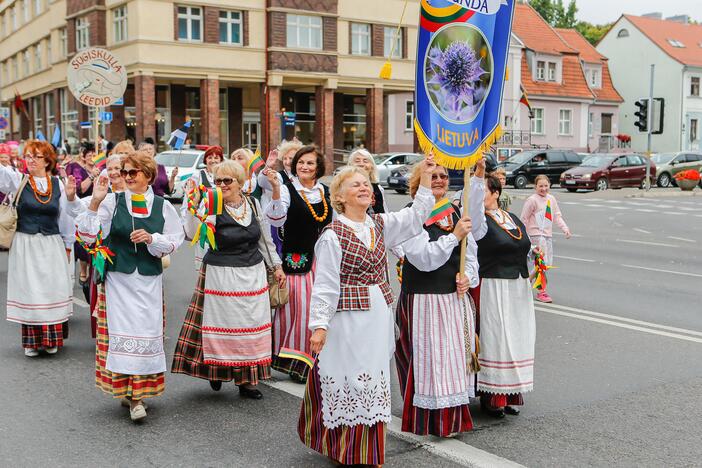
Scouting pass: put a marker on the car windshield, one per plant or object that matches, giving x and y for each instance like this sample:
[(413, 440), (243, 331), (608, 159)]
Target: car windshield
[(597, 160), (663, 158), (379, 158), (521, 158), (176, 158)]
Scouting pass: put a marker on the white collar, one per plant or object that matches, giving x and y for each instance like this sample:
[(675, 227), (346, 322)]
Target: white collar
[(356, 225), (299, 187)]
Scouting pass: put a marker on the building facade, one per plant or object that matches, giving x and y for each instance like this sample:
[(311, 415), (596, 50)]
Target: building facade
[(235, 67), (674, 46)]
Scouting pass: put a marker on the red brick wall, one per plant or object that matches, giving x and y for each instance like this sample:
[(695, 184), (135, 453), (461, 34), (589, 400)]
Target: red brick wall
[(277, 29), (329, 33), (74, 6), (375, 132), (71, 36), (302, 62), (245, 28), (324, 124), (377, 40), (211, 25), (57, 106), (116, 131), (270, 118), (209, 111), (322, 6), (235, 108), (145, 103)]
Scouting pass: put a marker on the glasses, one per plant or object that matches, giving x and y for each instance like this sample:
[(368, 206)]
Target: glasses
[(132, 173), (439, 176), (33, 157), (224, 181)]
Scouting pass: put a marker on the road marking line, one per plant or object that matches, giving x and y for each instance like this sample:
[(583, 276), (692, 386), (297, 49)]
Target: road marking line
[(643, 231), (452, 449), (657, 244), (618, 208), (80, 302), (645, 210), (593, 205), (682, 273), (620, 325), (623, 319), (574, 258), (682, 239)]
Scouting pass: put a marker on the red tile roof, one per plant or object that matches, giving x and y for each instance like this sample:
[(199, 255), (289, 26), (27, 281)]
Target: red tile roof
[(660, 31), (536, 33), (608, 92), (573, 85)]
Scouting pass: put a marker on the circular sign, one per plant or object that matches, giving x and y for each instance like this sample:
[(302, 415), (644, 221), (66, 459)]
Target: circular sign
[(3, 123), (96, 77)]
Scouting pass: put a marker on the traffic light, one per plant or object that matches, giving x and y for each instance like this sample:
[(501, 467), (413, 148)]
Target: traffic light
[(641, 115), (658, 116)]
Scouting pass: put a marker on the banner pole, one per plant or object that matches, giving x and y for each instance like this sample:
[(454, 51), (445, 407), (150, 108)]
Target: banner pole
[(464, 205)]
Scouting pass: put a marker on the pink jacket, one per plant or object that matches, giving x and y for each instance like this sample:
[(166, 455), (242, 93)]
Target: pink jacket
[(533, 216)]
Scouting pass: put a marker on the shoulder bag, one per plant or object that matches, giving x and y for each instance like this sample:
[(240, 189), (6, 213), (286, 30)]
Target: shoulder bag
[(8, 216)]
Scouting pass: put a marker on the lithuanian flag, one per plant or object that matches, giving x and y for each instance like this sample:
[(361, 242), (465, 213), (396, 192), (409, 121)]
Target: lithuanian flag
[(299, 355), (549, 214), (100, 159), (441, 210), (139, 204), (255, 162), (213, 201)]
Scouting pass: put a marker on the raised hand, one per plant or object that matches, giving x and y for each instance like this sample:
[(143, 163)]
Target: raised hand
[(462, 228), (102, 186), (272, 177), (71, 188), (480, 168)]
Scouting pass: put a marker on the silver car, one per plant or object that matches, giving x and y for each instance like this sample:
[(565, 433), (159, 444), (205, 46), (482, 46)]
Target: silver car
[(388, 162), (669, 164), (188, 162)]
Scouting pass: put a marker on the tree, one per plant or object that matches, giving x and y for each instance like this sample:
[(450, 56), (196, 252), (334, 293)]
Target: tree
[(560, 16), (592, 32), (565, 17), (545, 8)]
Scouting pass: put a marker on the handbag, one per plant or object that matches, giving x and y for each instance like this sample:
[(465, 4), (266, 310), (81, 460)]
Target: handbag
[(278, 296), (8, 216)]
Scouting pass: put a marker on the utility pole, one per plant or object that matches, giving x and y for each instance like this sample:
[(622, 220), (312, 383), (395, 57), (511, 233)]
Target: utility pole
[(647, 182)]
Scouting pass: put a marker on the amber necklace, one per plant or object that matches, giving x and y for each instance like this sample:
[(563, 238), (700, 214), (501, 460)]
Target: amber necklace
[(501, 223), (232, 213), (317, 218), (38, 193)]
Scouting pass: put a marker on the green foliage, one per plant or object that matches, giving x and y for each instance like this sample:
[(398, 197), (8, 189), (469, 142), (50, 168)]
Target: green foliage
[(592, 32), (559, 16)]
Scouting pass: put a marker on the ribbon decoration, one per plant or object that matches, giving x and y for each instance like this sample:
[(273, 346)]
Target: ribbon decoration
[(99, 252), (212, 203), (540, 269)]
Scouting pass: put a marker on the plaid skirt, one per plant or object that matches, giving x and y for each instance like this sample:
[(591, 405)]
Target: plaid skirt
[(135, 387), (44, 336), (188, 356)]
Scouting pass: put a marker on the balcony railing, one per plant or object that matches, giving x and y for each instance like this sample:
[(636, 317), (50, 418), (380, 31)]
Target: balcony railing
[(515, 138)]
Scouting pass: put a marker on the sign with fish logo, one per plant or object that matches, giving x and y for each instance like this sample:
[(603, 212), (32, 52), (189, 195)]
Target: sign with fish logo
[(462, 53), (96, 77)]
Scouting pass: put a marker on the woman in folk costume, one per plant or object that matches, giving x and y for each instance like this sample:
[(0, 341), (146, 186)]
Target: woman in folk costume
[(303, 208), (346, 405), (163, 183), (205, 177), (363, 159), (507, 323), (244, 156), (227, 331), (140, 228), (436, 317), (40, 251)]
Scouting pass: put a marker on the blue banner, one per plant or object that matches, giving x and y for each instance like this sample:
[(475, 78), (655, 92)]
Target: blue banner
[(461, 66)]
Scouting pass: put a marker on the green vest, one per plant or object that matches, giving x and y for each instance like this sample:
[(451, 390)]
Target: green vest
[(126, 260)]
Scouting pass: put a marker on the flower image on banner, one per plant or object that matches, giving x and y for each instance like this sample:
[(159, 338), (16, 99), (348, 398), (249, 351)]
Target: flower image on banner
[(461, 65)]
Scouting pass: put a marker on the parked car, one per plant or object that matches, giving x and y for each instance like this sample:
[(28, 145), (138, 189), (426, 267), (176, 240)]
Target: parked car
[(399, 179), (522, 168), (669, 164), (188, 161), (603, 171)]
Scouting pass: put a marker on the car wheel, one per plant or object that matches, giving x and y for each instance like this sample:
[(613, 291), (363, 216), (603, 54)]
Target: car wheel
[(572, 190), (401, 191), (645, 183), (520, 182), (663, 180), (601, 184)]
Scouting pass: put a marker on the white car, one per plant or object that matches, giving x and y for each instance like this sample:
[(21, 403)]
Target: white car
[(388, 162), (188, 162)]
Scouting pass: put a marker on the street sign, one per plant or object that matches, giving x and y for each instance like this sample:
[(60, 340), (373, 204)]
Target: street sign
[(86, 125), (289, 119), (106, 117), (119, 102), (96, 77)]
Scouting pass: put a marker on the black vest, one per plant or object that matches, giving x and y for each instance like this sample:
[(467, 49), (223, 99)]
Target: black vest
[(126, 260), (237, 245), (499, 255), (34, 217), (204, 180), (284, 176), (302, 231), (378, 205), (443, 279)]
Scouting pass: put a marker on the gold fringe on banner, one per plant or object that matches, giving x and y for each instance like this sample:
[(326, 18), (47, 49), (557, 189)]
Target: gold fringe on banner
[(454, 162)]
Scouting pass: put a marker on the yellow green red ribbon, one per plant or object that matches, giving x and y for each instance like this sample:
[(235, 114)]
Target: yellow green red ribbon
[(99, 252)]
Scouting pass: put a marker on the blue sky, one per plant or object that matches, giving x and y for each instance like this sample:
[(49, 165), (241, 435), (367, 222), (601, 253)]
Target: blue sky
[(605, 11)]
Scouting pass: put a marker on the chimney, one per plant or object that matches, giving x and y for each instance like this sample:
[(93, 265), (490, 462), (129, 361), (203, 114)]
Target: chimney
[(655, 15), (684, 19)]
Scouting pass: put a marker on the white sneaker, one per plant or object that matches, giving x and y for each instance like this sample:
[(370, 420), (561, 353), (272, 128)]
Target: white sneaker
[(126, 402), (29, 352), (137, 412), (53, 350)]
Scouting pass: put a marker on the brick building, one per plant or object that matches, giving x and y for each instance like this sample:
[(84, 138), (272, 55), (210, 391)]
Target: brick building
[(232, 66)]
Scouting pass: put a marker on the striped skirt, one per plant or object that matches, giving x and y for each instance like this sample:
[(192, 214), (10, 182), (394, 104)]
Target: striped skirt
[(188, 355), (290, 326), (348, 445), (421, 421), (135, 387)]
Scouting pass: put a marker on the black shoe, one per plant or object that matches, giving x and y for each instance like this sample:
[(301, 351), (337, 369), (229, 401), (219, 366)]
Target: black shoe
[(498, 413), (252, 393), (514, 411), (216, 385)]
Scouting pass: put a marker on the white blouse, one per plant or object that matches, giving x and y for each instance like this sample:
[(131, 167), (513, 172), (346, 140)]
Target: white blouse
[(89, 223), (398, 228), (10, 180), (277, 210)]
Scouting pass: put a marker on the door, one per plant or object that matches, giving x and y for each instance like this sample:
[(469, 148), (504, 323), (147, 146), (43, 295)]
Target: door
[(619, 173), (557, 165), (637, 169)]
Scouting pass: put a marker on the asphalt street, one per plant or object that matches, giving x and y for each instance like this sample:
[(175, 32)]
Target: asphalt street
[(618, 368)]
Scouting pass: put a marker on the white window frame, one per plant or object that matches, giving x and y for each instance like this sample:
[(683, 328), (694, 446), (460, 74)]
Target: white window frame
[(692, 84), (360, 39), (189, 16), (63, 42), (26, 68), (409, 115), (538, 121), (15, 68), (541, 70), (230, 22), (49, 52), (120, 24), (26, 11), (594, 78), (38, 59), (552, 71), (694, 130), (304, 32), (82, 33), (590, 124), (38, 118), (38, 7), (388, 34), (13, 17), (565, 125)]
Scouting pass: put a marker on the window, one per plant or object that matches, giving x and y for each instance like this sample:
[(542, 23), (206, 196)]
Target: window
[(63, 42), (540, 70), (634, 160), (37, 57), (590, 120), (189, 23), (38, 7), (230, 27), (27, 14), (606, 125), (25, 62), (50, 117), (119, 23), (69, 117), (388, 35), (693, 130), (537, 122), (556, 157), (49, 57), (695, 86), (565, 124), (551, 71), (360, 39), (623, 33), (304, 32), (409, 116), (82, 34), (676, 43), (38, 115), (15, 68), (13, 18), (595, 78)]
